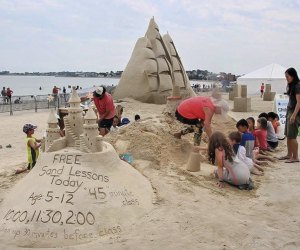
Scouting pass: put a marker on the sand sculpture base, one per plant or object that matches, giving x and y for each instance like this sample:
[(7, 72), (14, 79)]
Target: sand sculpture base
[(71, 197), (242, 104), (269, 96), (193, 164)]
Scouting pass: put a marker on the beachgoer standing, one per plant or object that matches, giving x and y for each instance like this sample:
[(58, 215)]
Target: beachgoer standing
[(4, 94), (65, 94), (198, 112), (9, 94), (262, 89), (55, 93), (292, 116)]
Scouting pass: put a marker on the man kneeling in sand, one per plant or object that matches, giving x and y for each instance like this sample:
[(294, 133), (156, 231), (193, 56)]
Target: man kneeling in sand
[(198, 112)]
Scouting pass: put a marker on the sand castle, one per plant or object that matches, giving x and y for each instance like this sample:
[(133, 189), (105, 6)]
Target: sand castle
[(242, 103), (268, 94), (154, 71), (79, 191), (234, 92)]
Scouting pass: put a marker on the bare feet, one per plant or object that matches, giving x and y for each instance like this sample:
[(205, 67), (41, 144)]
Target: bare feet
[(292, 160), (21, 170), (286, 157)]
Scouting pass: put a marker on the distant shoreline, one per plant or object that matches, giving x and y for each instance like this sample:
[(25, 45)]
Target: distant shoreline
[(114, 77)]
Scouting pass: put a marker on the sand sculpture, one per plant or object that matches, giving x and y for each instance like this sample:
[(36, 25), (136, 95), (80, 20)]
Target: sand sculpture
[(79, 191), (234, 92), (194, 161), (268, 95), (242, 103), (154, 71)]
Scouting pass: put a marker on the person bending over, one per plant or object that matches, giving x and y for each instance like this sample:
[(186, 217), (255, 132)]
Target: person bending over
[(198, 112)]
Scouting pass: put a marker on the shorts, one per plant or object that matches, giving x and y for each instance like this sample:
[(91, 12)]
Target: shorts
[(105, 123), (31, 165), (272, 144), (186, 120), (291, 129)]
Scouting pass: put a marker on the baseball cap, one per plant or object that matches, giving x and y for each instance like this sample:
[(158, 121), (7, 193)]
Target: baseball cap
[(28, 127), (99, 90)]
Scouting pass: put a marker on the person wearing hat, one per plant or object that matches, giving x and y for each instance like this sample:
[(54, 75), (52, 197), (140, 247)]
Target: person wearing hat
[(198, 112), (32, 145), (106, 109)]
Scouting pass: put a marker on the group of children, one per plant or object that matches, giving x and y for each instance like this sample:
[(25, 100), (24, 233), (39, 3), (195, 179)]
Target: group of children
[(245, 150)]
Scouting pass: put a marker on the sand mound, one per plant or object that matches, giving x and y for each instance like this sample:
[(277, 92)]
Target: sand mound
[(152, 139)]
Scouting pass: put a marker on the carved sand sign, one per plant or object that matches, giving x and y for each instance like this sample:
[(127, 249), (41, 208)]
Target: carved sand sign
[(74, 194), (71, 198)]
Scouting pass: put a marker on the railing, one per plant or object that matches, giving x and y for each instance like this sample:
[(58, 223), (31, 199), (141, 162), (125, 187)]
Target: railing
[(30, 102)]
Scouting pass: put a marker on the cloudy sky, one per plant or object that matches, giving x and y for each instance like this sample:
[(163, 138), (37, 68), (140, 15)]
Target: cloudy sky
[(235, 36)]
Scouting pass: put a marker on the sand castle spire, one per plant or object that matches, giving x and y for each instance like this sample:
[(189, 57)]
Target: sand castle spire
[(90, 138), (74, 98), (74, 120), (90, 114), (52, 132), (52, 118)]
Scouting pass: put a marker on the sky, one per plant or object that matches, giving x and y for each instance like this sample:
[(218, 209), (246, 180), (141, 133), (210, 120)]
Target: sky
[(235, 36)]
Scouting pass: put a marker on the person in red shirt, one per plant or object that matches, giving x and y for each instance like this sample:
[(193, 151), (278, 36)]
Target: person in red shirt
[(198, 112), (262, 89), (9, 94), (106, 109), (261, 134)]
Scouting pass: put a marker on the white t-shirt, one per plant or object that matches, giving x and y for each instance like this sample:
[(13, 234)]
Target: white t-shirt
[(114, 129), (241, 155)]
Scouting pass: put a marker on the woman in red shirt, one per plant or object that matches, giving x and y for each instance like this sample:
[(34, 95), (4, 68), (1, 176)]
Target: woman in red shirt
[(198, 112)]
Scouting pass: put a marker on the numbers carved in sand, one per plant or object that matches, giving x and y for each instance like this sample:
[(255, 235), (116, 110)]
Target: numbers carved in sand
[(50, 216)]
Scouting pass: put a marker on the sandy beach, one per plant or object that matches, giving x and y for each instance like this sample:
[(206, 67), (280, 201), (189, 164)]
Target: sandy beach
[(190, 211)]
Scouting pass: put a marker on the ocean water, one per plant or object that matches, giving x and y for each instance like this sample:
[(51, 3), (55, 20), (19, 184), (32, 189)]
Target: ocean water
[(29, 85)]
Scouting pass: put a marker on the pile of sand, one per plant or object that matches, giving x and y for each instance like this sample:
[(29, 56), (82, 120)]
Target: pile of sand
[(152, 139)]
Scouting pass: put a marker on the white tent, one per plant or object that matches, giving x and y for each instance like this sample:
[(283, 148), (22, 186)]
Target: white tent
[(273, 74)]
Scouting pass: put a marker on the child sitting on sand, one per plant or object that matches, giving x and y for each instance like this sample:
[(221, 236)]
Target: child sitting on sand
[(114, 127), (229, 169), (261, 134), (32, 145), (240, 151), (247, 128), (251, 124), (272, 139), (247, 139), (274, 119)]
